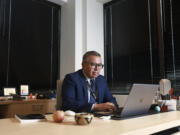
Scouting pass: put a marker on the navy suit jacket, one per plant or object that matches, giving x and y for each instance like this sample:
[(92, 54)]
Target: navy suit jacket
[(75, 92)]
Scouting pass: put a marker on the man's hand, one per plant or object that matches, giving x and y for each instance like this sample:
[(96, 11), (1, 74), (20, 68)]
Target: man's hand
[(110, 107)]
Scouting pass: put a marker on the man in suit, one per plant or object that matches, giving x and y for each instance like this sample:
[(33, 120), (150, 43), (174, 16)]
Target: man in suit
[(85, 90)]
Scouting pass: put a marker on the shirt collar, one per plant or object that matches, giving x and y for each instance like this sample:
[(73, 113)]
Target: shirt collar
[(87, 78)]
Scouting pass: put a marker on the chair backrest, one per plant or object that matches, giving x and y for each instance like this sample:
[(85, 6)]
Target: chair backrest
[(58, 94)]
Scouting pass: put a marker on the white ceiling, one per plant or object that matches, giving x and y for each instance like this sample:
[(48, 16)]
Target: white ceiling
[(103, 1), (59, 2)]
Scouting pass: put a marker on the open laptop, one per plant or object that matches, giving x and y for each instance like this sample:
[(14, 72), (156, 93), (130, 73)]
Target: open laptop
[(138, 102)]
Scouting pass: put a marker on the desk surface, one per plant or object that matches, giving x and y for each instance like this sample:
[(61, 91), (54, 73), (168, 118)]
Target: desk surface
[(136, 126)]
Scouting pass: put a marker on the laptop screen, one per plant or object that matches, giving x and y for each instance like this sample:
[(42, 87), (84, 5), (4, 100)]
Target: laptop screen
[(139, 99)]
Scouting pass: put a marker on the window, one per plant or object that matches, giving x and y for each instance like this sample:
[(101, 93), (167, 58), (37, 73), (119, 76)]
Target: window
[(131, 44), (29, 44)]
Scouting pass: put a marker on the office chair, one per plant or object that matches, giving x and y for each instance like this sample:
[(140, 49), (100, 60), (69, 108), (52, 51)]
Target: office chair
[(58, 94)]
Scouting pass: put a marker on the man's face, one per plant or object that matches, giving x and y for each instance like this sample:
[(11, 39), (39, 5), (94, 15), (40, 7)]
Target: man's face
[(92, 66)]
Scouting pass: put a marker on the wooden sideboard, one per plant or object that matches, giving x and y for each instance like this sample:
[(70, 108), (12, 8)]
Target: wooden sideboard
[(11, 107)]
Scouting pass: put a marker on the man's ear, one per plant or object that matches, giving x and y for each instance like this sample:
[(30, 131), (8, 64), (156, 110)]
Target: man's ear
[(83, 64)]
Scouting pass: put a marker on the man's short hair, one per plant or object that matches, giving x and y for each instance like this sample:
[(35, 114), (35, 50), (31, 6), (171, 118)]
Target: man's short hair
[(87, 54)]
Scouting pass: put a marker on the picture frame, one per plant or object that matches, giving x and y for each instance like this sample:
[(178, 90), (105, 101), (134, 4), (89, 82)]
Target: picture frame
[(24, 90), (9, 90)]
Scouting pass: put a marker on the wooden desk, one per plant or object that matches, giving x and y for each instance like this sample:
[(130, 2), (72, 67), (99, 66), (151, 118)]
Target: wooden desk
[(135, 126), (11, 107)]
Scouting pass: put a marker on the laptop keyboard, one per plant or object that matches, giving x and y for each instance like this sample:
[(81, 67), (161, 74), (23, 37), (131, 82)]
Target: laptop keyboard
[(114, 114)]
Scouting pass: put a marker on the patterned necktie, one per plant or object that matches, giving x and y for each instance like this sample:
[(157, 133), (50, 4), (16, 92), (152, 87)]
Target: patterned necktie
[(92, 85), (92, 99)]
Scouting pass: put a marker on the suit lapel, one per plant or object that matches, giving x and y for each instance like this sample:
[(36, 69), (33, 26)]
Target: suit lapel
[(99, 90), (83, 82)]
